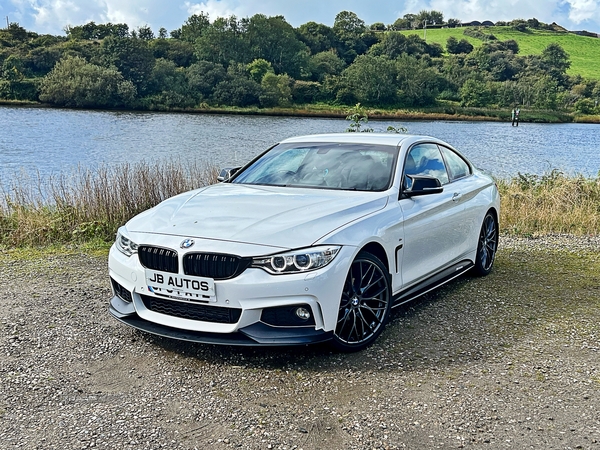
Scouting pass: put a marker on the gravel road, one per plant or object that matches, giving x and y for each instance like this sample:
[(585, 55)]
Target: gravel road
[(507, 361)]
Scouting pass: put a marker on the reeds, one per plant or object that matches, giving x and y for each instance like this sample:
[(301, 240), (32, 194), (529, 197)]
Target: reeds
[(550, 203), (90, 204)]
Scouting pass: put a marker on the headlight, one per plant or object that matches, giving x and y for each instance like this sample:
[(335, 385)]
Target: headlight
[(124, 244), (297, 261)]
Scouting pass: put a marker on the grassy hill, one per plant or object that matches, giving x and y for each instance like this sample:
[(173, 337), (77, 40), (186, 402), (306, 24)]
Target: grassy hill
[(583, 51)]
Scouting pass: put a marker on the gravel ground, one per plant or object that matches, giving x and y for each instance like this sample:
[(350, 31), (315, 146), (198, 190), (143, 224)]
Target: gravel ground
[(506, 361)]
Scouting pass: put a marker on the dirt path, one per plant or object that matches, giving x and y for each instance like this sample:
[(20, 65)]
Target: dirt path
[(507, 361)]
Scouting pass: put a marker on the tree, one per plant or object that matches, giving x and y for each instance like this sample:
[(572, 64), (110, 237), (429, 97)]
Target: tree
[(475, 93), (408, 21), (453, 23), (237, 91), (318, 37), (546, 91), (132, 57), (392, 45), (224, 42), (275, 90), (418, 83), (348, 29), (194, 27), (259, 68), (430, 17), (168, 87), (305, 91), (203, 77), (41, 60), (455, 47), (166, 76), (145, 33), (556, 57), (274, 40), (372, 79), (77, 83), (12, 68), (162, 33), (325, 63), (176, 50)]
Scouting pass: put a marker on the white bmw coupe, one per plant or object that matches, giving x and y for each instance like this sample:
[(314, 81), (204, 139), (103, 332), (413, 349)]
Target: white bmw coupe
[(317, 239)]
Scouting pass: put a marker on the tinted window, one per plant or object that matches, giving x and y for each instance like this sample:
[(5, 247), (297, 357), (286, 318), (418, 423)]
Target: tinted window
[(426, 160), (457, 166)]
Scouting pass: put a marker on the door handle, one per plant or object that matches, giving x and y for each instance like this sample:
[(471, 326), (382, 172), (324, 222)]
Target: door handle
[(456, 197)]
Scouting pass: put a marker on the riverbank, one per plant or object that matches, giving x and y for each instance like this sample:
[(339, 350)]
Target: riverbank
[(448, 112), (509, 360), (88, 206)]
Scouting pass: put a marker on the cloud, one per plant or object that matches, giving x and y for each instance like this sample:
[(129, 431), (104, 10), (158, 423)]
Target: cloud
[(51, 16), (467, 10), (214, 9), (582, 10)]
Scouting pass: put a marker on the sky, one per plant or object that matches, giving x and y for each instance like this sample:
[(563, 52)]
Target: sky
[(51, 16)]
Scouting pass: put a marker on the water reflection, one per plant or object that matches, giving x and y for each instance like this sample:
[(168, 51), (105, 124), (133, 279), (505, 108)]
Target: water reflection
[(51, 140)]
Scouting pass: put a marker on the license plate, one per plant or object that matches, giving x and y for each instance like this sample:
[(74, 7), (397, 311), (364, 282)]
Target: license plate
[(184, 287)]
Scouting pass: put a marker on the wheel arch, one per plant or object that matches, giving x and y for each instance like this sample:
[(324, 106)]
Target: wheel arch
[(494, 211), (377, 249)]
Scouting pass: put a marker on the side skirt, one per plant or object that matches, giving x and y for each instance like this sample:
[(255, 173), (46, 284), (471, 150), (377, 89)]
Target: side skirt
[(432, 283)]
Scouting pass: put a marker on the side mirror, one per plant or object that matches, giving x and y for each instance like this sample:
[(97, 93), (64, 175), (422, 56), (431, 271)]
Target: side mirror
[(226, 173), (420, 185)]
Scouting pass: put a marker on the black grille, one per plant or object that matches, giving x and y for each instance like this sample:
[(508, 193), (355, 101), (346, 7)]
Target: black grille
[(192, 311), (120, 291), (213, 265), (156, 258)]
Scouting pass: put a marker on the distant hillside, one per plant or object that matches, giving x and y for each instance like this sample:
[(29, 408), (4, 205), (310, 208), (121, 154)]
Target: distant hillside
[(584, 51)]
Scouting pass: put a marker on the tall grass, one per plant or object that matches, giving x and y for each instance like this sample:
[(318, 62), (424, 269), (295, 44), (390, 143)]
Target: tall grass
[(90, 204), (550, 203)]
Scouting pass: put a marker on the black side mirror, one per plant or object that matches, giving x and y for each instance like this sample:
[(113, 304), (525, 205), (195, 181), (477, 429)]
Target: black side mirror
[(227, 173), (420, 185)]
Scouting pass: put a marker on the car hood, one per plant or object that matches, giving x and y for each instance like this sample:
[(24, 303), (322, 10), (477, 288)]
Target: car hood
[(263, 215)]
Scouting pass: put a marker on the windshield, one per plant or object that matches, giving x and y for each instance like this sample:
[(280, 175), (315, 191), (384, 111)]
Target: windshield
[(359, 167)]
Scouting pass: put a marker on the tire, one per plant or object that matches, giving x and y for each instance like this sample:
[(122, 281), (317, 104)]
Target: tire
[(364, 305), (487, 245)]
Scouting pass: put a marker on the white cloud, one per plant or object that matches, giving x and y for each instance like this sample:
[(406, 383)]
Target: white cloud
[(214, 9), (50, 16), (582, 10)]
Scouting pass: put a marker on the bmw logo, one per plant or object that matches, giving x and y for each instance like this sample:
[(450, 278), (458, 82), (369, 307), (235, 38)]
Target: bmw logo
[(187, 243)]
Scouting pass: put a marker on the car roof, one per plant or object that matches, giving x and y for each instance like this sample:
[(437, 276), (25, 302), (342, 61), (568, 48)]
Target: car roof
[(394, 139)]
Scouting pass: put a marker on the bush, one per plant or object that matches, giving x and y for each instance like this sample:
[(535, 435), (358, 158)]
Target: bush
[(305, 91), (76, 83)]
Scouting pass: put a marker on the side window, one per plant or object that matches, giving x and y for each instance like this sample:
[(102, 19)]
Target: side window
[(426, 160), (457, 166)]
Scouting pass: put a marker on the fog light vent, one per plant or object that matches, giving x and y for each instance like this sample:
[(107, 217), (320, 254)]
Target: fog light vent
[(288, 316)]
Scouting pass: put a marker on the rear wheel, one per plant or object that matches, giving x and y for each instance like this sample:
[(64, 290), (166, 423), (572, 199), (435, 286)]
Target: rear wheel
[(365, 304), (487, 246)]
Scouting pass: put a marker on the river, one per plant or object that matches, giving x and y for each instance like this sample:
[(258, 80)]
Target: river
[(49, 141)]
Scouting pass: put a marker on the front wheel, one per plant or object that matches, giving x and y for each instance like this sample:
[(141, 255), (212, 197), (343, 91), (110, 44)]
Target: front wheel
[(487, 245), (365, 304)]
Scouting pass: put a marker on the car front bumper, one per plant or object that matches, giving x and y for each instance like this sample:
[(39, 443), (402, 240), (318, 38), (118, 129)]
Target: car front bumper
[(248, 295)]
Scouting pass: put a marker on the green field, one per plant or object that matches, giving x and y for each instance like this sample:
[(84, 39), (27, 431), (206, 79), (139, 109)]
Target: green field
[(583, 51)]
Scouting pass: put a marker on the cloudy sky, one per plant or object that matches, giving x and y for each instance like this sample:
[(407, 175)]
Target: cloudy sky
[(51, 16)]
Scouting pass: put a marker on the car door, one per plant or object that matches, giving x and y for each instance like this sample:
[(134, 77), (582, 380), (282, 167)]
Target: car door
[(433, 228)]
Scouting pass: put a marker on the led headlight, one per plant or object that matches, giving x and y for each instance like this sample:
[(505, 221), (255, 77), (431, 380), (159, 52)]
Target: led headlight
[(297, 261), (124, 244)]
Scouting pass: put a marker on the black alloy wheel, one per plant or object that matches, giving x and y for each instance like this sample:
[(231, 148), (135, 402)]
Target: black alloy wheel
[(365, 304), (487, 246)]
